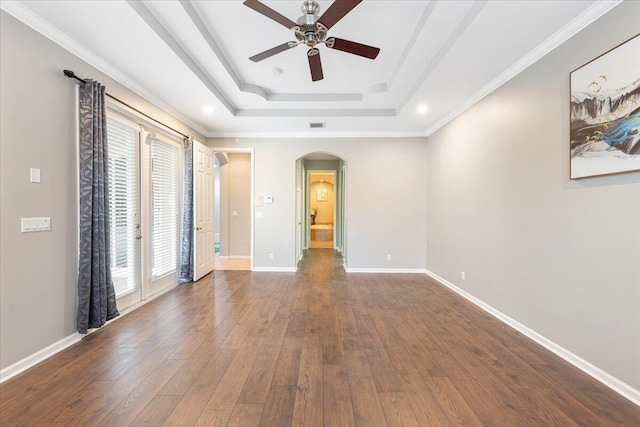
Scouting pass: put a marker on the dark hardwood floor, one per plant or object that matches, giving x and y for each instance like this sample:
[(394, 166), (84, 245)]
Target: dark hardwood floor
[(314, 348)]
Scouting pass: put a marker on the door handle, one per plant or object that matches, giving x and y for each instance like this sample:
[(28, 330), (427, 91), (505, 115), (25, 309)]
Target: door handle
[(198, 228), (138, 236)]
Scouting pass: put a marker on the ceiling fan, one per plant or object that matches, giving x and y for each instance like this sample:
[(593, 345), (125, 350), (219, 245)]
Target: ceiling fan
[(312, 30)]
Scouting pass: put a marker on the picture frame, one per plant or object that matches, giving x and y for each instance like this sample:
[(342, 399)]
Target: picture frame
[(322, 195), (605, 113)]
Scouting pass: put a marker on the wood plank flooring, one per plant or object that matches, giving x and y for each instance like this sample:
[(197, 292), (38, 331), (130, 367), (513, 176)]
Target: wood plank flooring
[(314, 348)]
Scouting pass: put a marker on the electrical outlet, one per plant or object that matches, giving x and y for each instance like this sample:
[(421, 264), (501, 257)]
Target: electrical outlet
[(463, 276), (388, 257), (270, 256)]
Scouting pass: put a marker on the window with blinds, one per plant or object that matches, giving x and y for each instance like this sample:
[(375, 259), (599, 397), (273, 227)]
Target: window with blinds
[(164, 208), (122, 143)]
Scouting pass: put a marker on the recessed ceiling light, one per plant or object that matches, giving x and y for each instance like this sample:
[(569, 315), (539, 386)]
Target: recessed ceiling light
[(422, 108), (208, 109)]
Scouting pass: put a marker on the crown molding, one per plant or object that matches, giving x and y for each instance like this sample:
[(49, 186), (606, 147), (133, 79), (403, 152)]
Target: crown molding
[(462, 26), (27, 17), (583, 20)]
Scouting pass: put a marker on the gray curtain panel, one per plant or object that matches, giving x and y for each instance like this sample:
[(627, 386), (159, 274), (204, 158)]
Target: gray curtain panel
[(96, 294), (186, 261)]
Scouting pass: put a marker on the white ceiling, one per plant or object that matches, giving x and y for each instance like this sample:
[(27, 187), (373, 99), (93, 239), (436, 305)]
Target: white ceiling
[(190, 56)]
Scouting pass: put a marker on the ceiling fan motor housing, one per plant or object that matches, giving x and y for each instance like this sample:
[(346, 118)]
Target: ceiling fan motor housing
[(310, 31)]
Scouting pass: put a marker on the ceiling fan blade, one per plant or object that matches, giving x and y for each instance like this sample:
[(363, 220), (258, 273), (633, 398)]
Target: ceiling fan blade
[(315, 65), (337, 11), (270, 13), (274, 50), (353, 47)]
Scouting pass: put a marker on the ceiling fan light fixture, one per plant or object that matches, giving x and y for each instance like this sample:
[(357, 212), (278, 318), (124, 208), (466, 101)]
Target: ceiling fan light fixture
[(312, 30)]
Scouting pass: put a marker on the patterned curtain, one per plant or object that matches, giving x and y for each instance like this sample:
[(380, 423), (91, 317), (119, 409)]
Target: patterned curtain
[(186, 262), (96, 294)]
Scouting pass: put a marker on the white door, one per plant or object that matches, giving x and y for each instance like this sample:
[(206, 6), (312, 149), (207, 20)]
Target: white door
[(299, 210), (163, 174), (203, 208)]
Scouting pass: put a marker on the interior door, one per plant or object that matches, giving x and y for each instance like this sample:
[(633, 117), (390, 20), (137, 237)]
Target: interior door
[(203, 190), (299, 210)]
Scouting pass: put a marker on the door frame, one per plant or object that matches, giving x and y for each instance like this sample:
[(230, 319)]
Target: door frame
[(251, 152)]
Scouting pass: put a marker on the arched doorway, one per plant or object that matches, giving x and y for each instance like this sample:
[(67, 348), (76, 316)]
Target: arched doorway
[(321, 203)]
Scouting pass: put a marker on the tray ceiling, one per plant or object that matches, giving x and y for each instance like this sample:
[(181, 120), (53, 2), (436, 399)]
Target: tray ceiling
[(191, 58)]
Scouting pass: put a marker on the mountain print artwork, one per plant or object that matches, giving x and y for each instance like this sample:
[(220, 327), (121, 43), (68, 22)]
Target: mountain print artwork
[(605, 113)]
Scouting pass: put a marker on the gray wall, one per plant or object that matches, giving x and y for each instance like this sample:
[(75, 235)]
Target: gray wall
[(385, 201), (239, 199), (38, 270), (561, 257)]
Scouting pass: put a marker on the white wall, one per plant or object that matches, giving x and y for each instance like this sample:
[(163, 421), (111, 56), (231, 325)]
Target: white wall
[(386, 198), (38, 270), (561, 257)]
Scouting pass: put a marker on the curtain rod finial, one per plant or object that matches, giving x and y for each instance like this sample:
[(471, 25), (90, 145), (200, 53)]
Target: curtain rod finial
[(69, 73)]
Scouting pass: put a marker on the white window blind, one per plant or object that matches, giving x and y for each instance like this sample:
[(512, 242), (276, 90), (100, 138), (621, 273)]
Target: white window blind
[(122, 142), (164, 208)]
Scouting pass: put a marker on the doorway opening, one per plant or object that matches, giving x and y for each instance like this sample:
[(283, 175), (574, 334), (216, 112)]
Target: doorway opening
[(321, 220), (233, 207), (322, 209)]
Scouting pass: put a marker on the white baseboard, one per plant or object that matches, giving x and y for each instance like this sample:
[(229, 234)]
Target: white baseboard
[(274, 269), (37, 357), (45, 353), (140, 303), (385, 270), (605, 378)]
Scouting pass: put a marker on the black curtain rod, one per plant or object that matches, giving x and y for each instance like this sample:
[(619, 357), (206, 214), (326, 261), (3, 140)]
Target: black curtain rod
[(72, 75)]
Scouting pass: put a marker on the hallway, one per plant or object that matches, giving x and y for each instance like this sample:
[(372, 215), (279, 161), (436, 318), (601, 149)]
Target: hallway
[(318, 347)]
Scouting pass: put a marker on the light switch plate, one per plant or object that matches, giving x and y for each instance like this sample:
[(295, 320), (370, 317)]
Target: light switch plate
[(234, 213), (268, 200), (34, 175), (31, 225)]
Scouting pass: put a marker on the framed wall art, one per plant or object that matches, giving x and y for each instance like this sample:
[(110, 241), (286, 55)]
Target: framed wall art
[(605, 113), (322, 195)]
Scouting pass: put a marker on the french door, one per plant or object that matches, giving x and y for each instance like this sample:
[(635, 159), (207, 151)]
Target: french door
[(164, 172), (124, 209), (145, 203)]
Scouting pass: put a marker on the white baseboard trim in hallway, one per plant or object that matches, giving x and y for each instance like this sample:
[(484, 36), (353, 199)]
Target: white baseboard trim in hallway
[(605, 378), (39, 356)]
